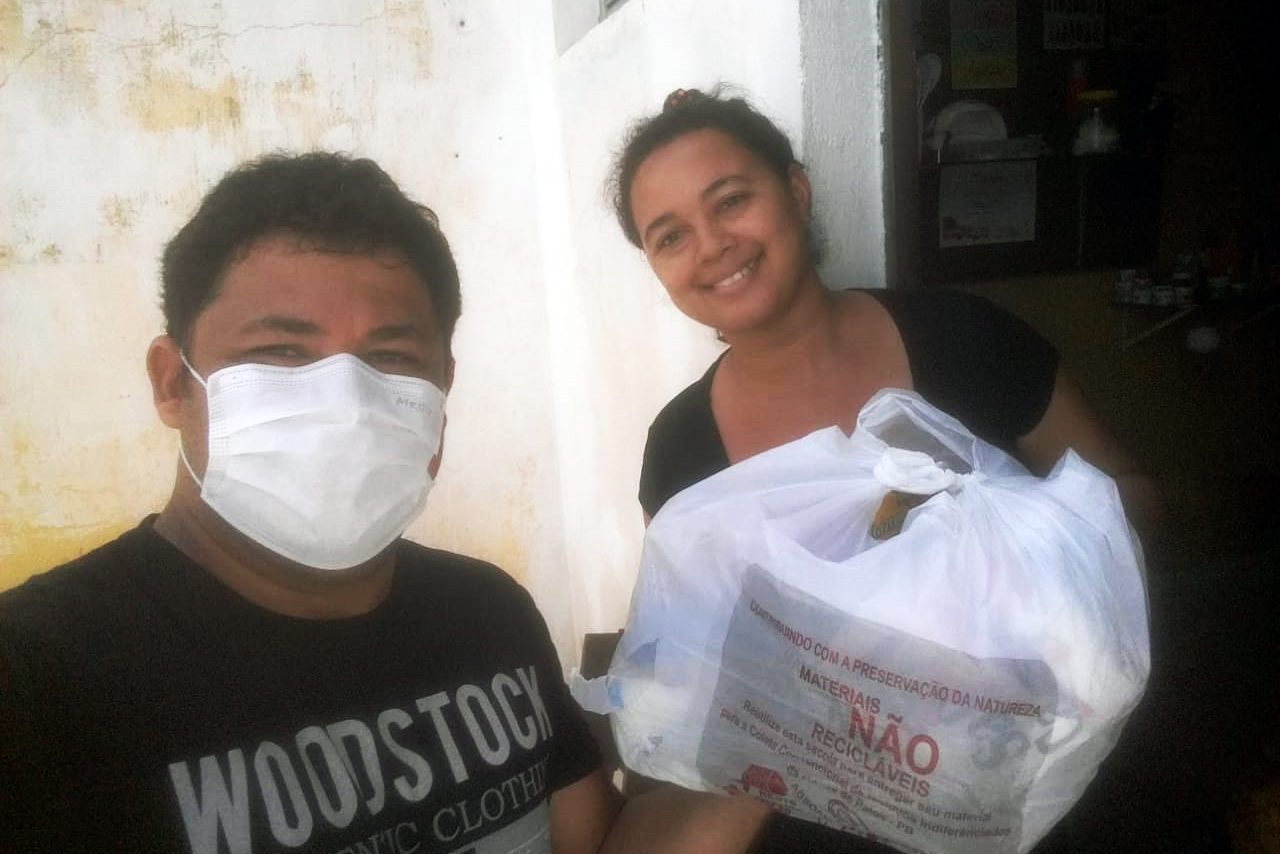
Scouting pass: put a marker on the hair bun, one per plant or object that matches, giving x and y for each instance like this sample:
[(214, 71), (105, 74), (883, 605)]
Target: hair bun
[(681, 98)]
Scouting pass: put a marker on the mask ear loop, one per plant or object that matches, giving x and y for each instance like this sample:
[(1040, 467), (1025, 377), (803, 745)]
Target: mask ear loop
[(182, 453)]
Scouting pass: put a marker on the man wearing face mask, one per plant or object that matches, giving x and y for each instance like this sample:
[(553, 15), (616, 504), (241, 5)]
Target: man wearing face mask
[(266, 665)]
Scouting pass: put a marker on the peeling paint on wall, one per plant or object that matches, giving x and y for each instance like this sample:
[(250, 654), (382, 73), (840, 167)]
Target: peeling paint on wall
[(165, 101), (406, 20), (300, 84), (10, 30), (301, 101), (27, 548), (118, 213), (59, 501), (53, 52), (22, 207)]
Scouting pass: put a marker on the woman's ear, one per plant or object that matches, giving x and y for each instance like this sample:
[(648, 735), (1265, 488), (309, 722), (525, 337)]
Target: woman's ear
[(801, 192), (168, 379)]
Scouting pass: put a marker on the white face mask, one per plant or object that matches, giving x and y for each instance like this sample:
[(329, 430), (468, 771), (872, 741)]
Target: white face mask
[(324, 464)]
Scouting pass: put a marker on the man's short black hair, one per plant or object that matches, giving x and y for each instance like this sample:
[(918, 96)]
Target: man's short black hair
[(331, 201)]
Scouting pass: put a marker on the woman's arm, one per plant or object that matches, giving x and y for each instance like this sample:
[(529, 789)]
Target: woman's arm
[(671, 820), (589, 817), (1068, 422)]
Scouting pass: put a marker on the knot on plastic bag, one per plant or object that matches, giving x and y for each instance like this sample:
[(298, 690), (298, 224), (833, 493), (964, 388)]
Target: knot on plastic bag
[(914, 472), (601, 695)]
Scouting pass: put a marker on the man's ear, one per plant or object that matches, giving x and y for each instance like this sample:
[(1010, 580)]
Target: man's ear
[(449, 365), (168, 379), (433, 467)]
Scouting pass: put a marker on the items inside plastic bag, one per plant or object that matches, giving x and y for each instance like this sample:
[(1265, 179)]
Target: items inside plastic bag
[(952, 687)]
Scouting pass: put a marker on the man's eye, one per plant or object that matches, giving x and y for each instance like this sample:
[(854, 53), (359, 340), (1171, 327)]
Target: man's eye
[(391, 359), (733, 200), (278, 354)]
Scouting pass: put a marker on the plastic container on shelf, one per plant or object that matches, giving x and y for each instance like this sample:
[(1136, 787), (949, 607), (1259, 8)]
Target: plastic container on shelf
[(1096, 134)]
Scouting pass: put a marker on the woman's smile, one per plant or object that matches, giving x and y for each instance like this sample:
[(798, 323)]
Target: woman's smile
[(737, 280)]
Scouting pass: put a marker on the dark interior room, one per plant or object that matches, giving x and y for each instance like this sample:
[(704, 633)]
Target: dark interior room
[(1107, 170)]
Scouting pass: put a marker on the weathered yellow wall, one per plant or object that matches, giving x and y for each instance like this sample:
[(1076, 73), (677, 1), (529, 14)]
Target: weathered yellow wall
[(116, 117)]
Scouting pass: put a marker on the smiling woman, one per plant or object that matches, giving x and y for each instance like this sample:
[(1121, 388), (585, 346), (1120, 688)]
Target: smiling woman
[(712, 193)]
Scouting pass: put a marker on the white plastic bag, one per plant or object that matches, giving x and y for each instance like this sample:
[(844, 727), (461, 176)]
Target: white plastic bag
[(950, 689)]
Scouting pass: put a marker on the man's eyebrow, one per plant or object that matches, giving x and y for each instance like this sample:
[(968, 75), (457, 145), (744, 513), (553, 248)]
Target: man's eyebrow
[(281, 323), (396, 331), (709, 190)]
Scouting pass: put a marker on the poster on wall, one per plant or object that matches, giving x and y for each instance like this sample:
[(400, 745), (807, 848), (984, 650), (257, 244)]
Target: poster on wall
[(980, 203), (1139, 24), (984, 44), (1075, 24)]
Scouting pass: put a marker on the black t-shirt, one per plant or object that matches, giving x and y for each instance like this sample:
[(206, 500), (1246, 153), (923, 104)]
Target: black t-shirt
[(144, 706), (972, 360)]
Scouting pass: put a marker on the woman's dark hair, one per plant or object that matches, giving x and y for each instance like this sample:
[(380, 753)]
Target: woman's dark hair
[(329, 201), (684, 111)]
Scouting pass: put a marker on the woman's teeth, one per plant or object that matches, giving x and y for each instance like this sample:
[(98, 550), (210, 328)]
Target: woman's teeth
[(736, 277)]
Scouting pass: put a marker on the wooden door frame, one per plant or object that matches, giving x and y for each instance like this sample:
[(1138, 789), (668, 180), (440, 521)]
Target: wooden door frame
[(898, 20)]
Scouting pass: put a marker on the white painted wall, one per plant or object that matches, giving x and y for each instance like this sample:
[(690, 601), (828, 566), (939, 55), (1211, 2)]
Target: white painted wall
[(116, 118), (620, 346), (844, 111), (573, 19)]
